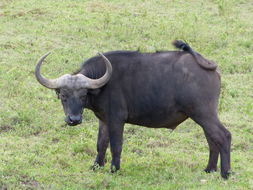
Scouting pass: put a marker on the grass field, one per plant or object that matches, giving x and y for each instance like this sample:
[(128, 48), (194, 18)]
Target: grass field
[(37, 149)]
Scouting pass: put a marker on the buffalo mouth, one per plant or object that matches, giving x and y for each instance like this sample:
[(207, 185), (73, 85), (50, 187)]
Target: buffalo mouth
[(73, 122)]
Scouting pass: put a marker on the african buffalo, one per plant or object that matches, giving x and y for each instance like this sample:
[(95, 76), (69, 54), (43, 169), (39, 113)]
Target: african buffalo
[(157, 90)]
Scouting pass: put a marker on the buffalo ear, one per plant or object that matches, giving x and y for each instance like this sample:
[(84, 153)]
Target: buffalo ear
[(94, 91), (57, 91)]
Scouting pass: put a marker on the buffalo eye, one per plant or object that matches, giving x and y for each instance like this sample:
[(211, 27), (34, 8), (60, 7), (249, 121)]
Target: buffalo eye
[(57, 94), (63, 97)]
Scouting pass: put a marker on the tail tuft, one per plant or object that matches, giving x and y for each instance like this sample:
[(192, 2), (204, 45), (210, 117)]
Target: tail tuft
[(182, 45), (204, 63)]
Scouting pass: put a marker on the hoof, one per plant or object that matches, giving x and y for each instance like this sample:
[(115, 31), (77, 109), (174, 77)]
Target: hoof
[(210, 170), (225, 175), (114, 169), (95, 167)]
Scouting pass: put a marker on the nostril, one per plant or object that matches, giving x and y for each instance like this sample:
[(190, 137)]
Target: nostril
[(75, 119)]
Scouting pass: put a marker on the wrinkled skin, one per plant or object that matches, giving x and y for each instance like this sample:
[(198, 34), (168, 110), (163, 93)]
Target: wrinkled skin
[(157, 90)]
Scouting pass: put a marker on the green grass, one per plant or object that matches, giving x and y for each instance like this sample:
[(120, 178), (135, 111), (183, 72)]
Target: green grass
[(37, 150)]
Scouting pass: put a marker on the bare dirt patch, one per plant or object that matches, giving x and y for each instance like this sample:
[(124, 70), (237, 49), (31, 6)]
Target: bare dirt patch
[(5, 128), (28, 182), (154, 144), (36, 12)]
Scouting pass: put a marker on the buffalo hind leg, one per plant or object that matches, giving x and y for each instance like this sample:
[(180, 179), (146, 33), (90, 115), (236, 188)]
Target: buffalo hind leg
[(213, 156), (102, 144), (225, 153), (220, 138)]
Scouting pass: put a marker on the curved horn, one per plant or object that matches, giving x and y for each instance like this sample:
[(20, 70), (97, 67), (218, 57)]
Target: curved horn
[(48, 83), (74, 81), (106, 77), (97, 83)]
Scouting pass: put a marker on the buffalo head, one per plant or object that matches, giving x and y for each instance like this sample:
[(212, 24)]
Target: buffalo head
[(72, 89)]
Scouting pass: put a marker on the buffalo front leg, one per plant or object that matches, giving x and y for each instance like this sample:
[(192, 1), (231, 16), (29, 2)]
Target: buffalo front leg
[(102, 144), (116, 141)]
